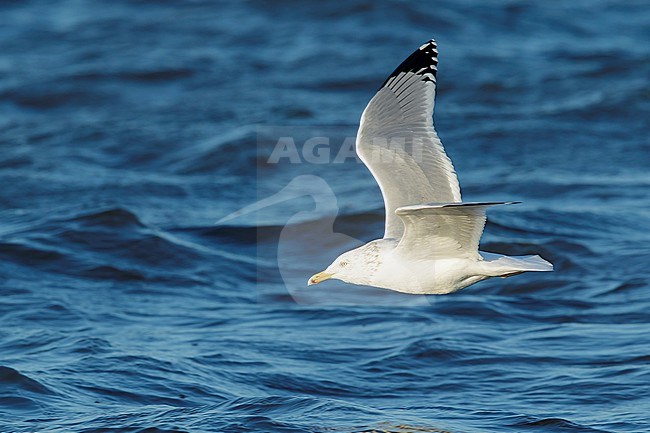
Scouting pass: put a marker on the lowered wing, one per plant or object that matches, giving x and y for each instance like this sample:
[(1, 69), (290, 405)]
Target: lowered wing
[(442, 230)]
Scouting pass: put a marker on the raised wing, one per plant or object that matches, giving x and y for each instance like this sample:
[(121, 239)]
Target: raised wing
[(398, 144), (442, 230)]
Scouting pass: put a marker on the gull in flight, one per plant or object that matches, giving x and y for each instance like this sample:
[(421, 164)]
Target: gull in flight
[(431, 238)]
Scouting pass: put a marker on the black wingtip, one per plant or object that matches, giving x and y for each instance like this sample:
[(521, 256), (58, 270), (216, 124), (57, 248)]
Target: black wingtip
[(423, 61)]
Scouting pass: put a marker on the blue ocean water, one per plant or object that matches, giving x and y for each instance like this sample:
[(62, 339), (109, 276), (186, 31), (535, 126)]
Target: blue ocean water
[(129, 127)]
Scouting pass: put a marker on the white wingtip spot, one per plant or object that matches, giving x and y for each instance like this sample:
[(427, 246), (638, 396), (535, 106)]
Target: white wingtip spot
[(428, 44)]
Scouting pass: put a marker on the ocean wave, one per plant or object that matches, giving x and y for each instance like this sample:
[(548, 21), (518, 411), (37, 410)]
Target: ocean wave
[(10, 377), (128, 128)]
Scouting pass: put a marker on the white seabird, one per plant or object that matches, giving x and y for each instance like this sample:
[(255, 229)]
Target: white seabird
[(431, 238)]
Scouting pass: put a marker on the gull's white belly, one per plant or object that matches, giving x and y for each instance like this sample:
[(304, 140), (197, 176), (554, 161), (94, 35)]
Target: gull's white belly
[(428, 276)]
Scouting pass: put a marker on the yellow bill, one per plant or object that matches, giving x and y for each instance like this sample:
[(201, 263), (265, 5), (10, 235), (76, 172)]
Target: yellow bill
[(317, 278)]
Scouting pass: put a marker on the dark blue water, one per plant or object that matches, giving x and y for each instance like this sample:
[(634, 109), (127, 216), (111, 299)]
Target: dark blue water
[(128, 128)]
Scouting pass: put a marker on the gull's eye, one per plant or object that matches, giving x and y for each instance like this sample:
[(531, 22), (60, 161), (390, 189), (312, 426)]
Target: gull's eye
[(343, 264)]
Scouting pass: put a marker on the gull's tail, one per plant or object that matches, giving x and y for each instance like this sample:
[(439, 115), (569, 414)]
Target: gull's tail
[(497, 265)]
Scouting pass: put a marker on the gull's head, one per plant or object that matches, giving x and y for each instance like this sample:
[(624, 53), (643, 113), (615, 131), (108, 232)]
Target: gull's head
[(351, 267)]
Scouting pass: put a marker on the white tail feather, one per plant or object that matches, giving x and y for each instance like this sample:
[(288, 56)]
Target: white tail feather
[(497, 265)]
